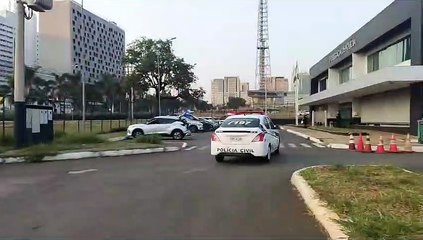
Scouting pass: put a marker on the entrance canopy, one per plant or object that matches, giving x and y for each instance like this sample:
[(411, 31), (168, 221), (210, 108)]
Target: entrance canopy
[(386, 79)]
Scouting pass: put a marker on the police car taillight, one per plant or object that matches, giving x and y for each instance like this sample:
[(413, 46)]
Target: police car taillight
[(214, 138), (259, 138)]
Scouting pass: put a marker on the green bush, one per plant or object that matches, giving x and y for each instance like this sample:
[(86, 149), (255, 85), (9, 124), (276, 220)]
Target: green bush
[(121, 129), (80, 139), (37, 153), (7, 140), (59, 134), (153, 139)]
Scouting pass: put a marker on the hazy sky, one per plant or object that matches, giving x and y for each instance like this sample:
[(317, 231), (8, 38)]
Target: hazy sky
[(220, 35)]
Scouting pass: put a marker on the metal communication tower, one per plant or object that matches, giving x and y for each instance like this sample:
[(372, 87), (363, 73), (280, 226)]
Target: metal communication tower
[(263, 70)]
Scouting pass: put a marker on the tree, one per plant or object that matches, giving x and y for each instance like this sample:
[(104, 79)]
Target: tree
[(156, 67), (68, 88), (109, 87), (235, 103), (30, 78)]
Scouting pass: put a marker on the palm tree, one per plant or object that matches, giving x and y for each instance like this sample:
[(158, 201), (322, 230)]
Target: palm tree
[(30, 75), (109, 86)]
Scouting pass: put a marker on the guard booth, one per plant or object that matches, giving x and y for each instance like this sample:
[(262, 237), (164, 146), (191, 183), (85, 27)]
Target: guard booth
[(39, 124)]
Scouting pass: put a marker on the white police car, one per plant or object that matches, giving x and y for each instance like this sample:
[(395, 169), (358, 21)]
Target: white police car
[(245, 135)]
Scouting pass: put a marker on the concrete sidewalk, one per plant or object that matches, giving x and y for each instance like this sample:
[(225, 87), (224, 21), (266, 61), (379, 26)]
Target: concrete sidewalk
[(341, 142)]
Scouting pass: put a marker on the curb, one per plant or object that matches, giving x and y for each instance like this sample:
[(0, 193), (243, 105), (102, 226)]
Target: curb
[(338, 146), (313, 139), (83, 155), (341, 146), (326, 217)]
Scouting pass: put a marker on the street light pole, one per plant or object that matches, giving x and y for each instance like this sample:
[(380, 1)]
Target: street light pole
[(83, 68), (19, 78), (159, 83)]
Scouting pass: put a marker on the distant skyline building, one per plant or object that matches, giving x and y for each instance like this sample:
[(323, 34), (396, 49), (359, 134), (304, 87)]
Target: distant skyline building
[(8, 21), (277, 84), (7, 39), (72, 41), (224, 88)]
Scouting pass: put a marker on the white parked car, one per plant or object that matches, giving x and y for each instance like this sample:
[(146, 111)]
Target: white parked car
[(163, 125), (245, 135)]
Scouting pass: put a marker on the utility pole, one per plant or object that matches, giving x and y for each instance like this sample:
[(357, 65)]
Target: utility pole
[(19, 77), (83, 67), (297, 82), (159, 83), (132, 104)]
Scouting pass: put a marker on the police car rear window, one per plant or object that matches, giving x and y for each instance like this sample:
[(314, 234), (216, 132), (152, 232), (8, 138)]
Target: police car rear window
[(241, 122)]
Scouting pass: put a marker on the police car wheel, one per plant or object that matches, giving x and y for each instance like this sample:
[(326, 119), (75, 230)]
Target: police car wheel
[(278, 148), (268, 155), (219, 158)]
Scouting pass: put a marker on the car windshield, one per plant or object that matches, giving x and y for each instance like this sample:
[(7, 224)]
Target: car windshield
[(241, 122)]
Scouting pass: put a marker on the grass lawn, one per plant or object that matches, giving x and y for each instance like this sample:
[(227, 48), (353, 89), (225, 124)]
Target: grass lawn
[(374, 202), (107, 136), (74, 126), (77, 143)]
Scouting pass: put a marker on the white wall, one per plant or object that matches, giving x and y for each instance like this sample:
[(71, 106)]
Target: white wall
[(333, 78), (356, 107), (359, 65), (388, 107), (55, 38), (31, 41), (333, 110)]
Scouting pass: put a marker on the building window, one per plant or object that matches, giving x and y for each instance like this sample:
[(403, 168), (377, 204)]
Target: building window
[(322, 84), (345, 75), (390, 56)]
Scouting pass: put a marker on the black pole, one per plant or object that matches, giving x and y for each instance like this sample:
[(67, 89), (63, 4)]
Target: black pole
[(101, 125), (64, 116), (20, 124), (4, 116)]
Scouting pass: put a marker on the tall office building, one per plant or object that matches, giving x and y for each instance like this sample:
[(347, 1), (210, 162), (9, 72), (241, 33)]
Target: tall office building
[(72, 39), (277, 84), (217, 92), (7, 39), (245, 87), (8, 21), (223, 89)]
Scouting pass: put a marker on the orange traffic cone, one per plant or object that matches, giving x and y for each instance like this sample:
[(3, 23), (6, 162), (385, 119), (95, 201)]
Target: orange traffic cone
[(408, 148), (351, 142), (360, 144), (380, 146), (393, 148), (367, 145)]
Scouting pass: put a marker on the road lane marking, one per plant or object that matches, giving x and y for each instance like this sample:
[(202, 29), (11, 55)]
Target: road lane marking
[(282, 146), (83, 171), (318, 145), (191, 148), (305, 145), (195, 170), (291, 145), (203, 148)]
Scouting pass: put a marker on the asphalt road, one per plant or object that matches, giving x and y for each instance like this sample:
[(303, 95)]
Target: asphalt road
[(182, 195)]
